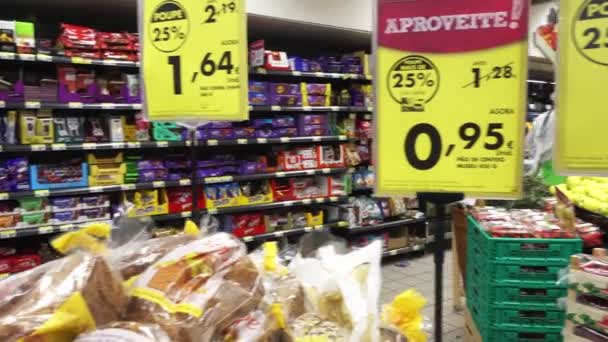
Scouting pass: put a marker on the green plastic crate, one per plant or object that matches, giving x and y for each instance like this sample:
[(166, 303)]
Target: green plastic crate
[(515, 249), (520, 314), (515, 272), (523, 334), (528, 293)]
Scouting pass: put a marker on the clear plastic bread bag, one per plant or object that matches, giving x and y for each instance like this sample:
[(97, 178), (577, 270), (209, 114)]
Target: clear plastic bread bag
[(282, 302), (342, 289), (125, 332), (197, 290), (60, 299)]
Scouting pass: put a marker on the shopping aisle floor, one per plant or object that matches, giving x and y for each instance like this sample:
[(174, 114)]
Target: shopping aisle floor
[(399, 275)]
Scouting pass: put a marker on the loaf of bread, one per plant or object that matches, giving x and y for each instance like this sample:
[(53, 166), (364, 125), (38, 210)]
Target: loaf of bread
[(133, 259), (79, 291), (198, 289), (125, 332)]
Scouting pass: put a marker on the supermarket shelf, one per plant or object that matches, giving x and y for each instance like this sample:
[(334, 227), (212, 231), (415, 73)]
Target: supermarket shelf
[(385, 225), (69, 105), (403, 250), (169, 217), (271, 175), (292, 232), (94, 189), (349, 109), (64, 60), (325, 75), (93, 146), (42, 230), (275, 205), (284, 140)]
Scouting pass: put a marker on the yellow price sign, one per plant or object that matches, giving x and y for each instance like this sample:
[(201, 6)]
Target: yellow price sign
[(451, 93), (195, 59), (582, 71)]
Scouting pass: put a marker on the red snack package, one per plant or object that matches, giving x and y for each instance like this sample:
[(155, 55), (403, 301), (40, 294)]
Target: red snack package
[(6, 265), (25, 262)]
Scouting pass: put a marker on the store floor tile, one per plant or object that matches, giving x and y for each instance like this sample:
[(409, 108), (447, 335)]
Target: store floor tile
[(417, 272)]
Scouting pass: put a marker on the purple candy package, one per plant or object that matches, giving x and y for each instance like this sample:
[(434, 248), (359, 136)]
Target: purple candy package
[(258, 87), (94, 200), (67, 216), (258, 99), (153, 175), (312, 119), (65, 202), (284, 89), (150, 164), (286, 100), (314, 130), (94, 213), (244, 132), (317, 89)]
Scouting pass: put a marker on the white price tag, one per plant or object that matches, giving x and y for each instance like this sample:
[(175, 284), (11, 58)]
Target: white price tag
[(7, 55), (307, 109), (275, 108), (285, 139), (158, 184), (45, 230), (2, 104), (162, 144), (392, 252), (41, 193), (108, 62), (311, 172), (44, 58), (280, 174), (136, 106), (6, 234), (59, 147), (296, 73), (212, 142), (334, 108), (32, 104), (320, 200), (241, 141), (279, 234), (186, 214), (184, 182), (128, 187), (342, 138), (326, 170), (133, 145), (308, 229), (89, 146), (3, 195), (75, 105), (247, 238), (307, 201), (66, 227), (96, 189), (262, 141), (108, 106), (212, 211), (27, 57), (38, 147), (316, 139)]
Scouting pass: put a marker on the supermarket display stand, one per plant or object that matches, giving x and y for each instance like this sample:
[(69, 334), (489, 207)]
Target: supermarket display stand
[(440, 200)]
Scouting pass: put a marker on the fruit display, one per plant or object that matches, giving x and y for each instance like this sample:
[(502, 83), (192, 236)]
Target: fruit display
[(589, 193)]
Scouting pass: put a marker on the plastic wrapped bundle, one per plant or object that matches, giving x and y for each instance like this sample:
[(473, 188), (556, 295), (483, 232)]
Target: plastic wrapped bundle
[(125, 332), (60, 299), (197, 289)]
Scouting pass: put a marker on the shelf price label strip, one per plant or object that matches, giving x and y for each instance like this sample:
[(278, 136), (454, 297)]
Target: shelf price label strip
[(183, 81), (582, 67), (431, 56)]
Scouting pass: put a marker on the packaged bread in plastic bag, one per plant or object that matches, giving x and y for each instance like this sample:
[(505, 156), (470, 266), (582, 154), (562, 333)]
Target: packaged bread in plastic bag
[(60, 299), (136, 256), (341, 291), (198, 289), (282, 302), (125, 332)]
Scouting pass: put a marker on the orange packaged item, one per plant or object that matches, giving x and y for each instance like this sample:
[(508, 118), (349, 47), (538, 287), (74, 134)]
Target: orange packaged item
[(198, 289)]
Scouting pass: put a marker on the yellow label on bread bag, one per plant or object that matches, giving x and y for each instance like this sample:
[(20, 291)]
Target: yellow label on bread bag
[(72, 318)]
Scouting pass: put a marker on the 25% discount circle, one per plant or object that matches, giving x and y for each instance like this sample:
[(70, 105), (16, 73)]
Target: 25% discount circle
[(169, 26), (470, 133)]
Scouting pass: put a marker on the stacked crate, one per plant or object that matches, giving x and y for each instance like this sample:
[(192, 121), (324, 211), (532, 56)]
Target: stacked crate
[(511, 285), (587, 318)]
